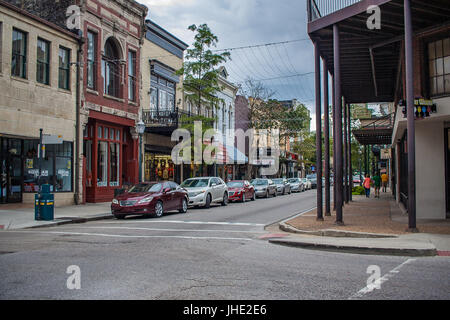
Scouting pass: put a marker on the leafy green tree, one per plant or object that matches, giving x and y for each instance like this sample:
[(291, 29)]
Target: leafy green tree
[(201, 69), (200, 73)]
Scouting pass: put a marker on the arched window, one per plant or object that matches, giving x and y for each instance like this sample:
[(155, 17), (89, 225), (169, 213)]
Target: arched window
[(111, 69)]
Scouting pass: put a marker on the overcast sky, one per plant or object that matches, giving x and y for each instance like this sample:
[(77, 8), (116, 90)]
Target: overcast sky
[(245, 23)]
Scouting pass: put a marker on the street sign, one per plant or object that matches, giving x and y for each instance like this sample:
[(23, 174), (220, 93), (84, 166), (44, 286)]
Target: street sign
[(52, 139)]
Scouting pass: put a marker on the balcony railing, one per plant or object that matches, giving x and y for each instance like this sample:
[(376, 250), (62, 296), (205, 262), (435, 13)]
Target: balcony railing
[(167, 118), (320, 8)]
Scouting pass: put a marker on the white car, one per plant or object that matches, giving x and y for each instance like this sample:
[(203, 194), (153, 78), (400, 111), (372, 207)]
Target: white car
[(307, 183), (206, 190)]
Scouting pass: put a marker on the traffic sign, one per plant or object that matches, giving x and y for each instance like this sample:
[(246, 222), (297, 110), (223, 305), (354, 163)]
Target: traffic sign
[(52, 139)]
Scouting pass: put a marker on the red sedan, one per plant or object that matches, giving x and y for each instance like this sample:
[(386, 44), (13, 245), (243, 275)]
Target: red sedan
[(240, 190), (150, 198)]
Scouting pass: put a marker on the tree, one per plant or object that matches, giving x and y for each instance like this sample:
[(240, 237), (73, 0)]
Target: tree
[(201, 78), (200, 69)]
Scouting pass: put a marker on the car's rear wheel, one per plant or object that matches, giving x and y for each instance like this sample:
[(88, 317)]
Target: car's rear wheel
[(225, 199), (208, 201), (184, 206), (159, 209)]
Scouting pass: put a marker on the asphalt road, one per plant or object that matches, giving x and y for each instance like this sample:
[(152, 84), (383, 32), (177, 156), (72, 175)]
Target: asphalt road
[(216, 253)]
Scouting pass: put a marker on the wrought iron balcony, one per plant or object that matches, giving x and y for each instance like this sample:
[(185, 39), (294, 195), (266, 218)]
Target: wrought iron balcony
[(165, 121), (160, 118), (320, 8)]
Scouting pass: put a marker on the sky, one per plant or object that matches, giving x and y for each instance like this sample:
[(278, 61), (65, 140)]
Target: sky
[(239, 23)]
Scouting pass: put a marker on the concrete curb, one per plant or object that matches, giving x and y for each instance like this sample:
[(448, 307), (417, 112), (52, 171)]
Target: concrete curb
[(411, 252), (334, 233), (71, 220)]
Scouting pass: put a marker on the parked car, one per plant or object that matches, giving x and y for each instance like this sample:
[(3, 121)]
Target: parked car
[(264, 187), (296, 185), (313, 179), (307, 183), (150, 198), (283, 186), (240, 190), (357, 180), (206, 190)]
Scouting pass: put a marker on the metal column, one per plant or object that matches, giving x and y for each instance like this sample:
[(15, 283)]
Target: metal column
[(326, 132), (410, 116), (318, 134), (350, 169), (333, 109), (338, 123), (345, 154)]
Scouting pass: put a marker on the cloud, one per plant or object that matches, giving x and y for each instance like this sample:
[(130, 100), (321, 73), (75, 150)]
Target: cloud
[(250, 22)]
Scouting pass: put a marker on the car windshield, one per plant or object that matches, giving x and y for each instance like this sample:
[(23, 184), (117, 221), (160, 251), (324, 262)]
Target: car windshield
[(259, 182), (235, 184), (294, 180), (195, 183), (145, 187), (277, 181)]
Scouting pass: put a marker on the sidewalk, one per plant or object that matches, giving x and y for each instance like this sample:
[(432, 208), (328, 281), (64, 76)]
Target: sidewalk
[(19, 216), (372, 226)]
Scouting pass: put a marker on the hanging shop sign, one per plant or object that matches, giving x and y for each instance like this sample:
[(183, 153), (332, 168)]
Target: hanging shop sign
[(385, 153), (422, 107)]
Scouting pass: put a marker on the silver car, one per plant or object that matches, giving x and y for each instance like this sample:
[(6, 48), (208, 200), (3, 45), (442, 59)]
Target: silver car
[(264, 187), (296, 185), (206, 190), (283, 186)]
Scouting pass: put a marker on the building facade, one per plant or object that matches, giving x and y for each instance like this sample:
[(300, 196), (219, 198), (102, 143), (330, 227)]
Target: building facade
[(162, 101), (113, 32), (38, 84), (431, 82)]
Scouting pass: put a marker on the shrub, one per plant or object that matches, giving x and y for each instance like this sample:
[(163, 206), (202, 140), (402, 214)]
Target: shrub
[(358, 190)]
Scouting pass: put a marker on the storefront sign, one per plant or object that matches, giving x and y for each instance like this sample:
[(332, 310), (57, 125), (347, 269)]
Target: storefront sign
[(52, 139), (385, 154)]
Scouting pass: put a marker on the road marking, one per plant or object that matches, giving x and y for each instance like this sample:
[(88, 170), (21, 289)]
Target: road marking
[(380, 281), (169, 230), (295, 215), (188, 222), (130, 236)]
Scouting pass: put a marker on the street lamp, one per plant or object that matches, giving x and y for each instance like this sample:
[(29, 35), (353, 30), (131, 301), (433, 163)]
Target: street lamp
[(140, 127)]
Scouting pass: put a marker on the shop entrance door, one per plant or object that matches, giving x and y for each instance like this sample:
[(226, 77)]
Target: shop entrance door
[(11, 170)]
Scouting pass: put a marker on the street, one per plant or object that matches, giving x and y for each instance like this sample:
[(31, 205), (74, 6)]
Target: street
[(216, 253)]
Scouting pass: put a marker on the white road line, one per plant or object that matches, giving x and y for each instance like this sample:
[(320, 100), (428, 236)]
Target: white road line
[(187, 222), (169, 230), (130, 236), (380, 281), (294, 215)]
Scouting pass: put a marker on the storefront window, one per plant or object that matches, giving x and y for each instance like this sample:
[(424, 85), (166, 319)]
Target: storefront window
[(114, 164), (158, 167), (102, 165), (56, 167)]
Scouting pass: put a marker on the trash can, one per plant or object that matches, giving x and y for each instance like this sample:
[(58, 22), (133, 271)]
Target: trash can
[(44, 205)]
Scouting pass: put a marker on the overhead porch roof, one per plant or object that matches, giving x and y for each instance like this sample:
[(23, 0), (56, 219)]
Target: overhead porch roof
[(370, 59)]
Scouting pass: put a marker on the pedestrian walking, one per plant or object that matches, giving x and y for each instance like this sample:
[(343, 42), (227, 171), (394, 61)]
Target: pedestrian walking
[(366, 184), (384, 181), (377, 184)]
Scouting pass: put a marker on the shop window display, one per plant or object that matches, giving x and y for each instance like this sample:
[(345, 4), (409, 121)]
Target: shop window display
[(158, 167)]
